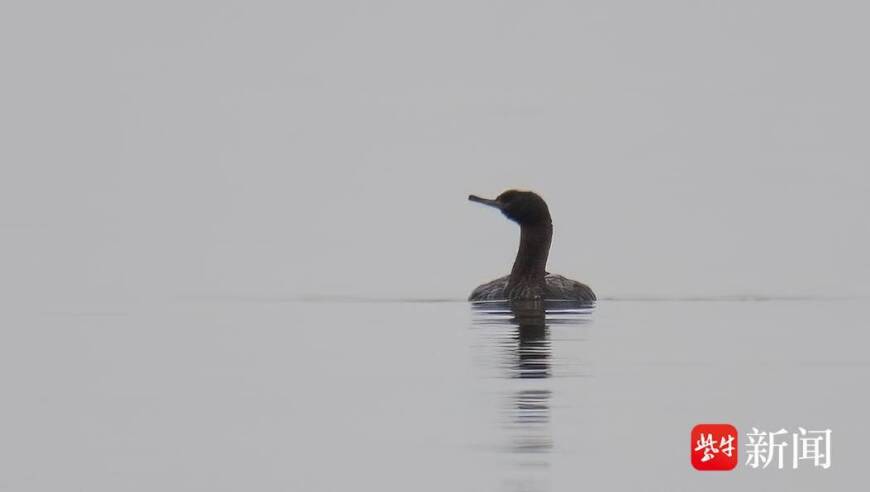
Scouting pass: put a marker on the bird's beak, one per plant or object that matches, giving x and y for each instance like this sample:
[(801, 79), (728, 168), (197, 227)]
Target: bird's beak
[(485, 201)]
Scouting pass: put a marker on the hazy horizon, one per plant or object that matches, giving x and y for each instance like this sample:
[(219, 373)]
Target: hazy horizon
[(183, 149)]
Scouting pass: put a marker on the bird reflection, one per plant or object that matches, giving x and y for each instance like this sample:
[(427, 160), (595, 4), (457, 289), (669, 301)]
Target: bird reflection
[(519, 331), (530, 349), (523, 334)]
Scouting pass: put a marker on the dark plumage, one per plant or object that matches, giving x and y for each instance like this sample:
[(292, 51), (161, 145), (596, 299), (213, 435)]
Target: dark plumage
[(528, 278)]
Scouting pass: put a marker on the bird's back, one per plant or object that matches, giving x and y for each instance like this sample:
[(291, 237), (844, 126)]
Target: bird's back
[(556, 287)]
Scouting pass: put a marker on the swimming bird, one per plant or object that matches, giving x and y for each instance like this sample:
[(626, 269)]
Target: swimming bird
[(529, 278)]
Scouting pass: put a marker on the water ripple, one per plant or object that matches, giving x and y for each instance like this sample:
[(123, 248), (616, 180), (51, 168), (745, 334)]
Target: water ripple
[(516, 346)]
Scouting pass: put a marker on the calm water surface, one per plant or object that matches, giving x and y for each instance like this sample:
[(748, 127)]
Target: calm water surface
[(258, 394)]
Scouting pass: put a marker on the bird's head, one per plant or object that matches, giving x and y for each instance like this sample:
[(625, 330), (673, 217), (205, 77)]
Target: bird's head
[(523, 207)]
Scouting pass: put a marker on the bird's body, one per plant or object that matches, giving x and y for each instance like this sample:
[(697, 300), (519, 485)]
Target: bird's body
[(555, 287), (528, 278)]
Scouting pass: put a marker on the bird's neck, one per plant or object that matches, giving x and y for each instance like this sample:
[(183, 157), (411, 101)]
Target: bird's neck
[(531, 262)]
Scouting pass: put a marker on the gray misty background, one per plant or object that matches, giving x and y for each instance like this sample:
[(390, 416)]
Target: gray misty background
[(164, 149)]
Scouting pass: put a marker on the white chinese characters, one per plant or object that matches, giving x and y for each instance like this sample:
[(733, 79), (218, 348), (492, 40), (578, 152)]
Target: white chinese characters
[(812, 446)]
